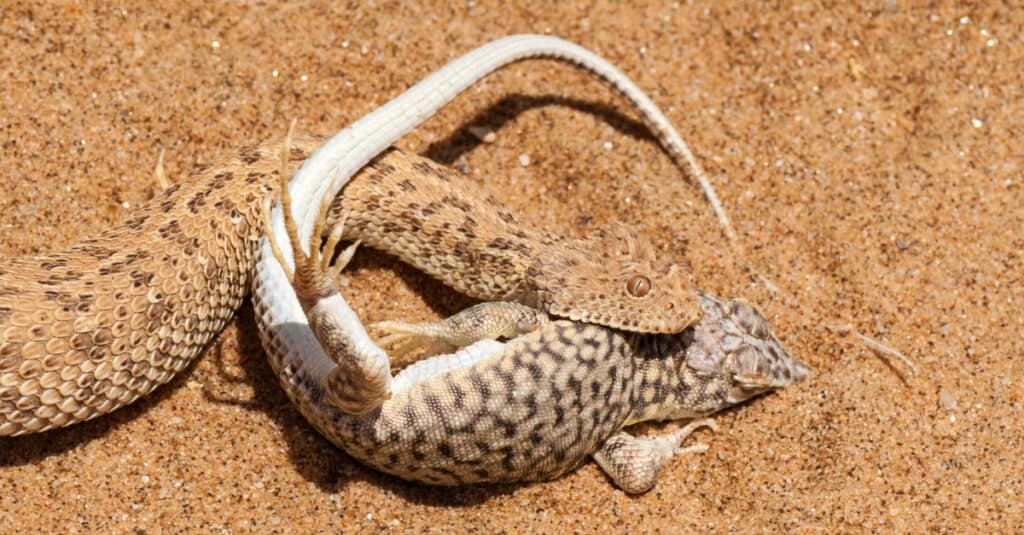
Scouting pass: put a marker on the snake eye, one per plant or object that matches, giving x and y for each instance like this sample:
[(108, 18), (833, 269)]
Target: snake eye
[(638, 286)]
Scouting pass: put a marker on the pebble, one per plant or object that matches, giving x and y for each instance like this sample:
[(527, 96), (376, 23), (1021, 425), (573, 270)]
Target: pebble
[(483, 133), (947, 400)]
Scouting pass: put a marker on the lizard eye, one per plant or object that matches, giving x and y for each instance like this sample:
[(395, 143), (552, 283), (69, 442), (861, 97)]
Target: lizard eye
[(638, 286)]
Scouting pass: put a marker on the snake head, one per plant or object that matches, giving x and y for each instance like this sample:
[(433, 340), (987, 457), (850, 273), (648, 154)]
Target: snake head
[(614, 278), (734, 340)]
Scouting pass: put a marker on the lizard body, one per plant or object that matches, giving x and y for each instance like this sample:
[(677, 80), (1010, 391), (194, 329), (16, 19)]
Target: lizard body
[(529, 409), (536, 407), (342, 382)]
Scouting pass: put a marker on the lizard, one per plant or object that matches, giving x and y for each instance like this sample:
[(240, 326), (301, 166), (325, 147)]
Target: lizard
[(97, 326), (529, 409)]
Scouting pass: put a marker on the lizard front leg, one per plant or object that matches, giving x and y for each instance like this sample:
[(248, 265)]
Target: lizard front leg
[(635, 463), (484, 321)]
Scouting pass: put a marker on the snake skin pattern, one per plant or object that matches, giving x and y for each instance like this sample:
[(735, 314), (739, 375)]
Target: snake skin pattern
[(444, 223)]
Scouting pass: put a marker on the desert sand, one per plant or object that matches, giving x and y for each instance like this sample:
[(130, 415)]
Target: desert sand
[(869, 155)]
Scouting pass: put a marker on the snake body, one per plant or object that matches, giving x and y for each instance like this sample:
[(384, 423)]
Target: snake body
[(95, 327), (444, 224)]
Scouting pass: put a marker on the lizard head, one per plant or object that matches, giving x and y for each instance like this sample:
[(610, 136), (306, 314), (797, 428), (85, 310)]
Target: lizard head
[(734, 342), (614, 278)]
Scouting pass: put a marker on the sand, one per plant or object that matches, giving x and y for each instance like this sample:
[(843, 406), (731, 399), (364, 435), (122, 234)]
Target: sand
[(869, 156)]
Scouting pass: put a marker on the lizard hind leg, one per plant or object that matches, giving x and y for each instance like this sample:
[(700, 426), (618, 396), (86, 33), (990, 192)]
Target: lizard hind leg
[(314, 275), (634, 464), (361, 381)]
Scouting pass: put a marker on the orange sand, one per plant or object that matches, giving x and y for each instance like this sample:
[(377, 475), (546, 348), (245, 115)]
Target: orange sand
[(869, 156)]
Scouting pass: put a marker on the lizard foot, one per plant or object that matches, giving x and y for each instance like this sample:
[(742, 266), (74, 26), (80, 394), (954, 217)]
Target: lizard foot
[(635, 463), (485, 321)]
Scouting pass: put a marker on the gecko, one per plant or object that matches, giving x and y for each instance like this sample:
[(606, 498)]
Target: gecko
[(528, 409), (531, 408)]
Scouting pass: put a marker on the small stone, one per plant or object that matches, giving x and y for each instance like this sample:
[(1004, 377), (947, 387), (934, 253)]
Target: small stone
[(483, 133), (947, 400), (524, 160)]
